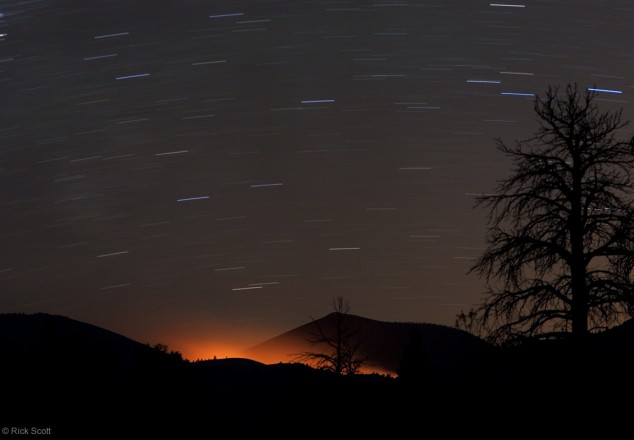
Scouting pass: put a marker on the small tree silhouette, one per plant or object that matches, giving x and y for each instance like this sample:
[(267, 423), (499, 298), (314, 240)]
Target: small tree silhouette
[(470, 322), (339, 339), (560, 245), (164, 348)]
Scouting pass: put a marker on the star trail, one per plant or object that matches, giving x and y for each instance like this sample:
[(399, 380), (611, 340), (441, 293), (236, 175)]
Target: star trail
[(197, 171)]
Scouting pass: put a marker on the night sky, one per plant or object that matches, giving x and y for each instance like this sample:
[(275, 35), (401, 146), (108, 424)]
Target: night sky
[(209, 174)]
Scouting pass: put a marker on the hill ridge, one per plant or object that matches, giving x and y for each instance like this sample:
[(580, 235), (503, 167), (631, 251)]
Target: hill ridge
[(449, 348)]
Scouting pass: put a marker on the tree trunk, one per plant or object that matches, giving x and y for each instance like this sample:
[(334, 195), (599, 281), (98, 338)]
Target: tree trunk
[(579, 307), (579, 310)]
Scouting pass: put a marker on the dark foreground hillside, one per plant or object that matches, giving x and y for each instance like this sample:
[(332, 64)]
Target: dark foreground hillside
[(87, 382)]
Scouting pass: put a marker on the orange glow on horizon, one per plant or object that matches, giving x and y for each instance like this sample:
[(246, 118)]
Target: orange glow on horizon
[(218, 340), (194, 351), (238, 345), (197, 349)]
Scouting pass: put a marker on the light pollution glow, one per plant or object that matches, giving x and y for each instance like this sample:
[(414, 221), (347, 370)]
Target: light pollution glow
[(196, 349)]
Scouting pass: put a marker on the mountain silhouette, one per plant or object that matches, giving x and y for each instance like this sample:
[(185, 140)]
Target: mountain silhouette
[(449, 351), (52, 351), (82, 380), (62, 341), (72, 376)]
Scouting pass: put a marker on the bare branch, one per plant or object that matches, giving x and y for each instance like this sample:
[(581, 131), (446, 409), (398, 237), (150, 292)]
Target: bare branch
[(337, 341), (561, 226)]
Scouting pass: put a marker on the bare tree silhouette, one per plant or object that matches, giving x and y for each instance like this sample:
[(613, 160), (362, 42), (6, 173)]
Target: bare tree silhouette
[(560, 244), (339, 341)]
